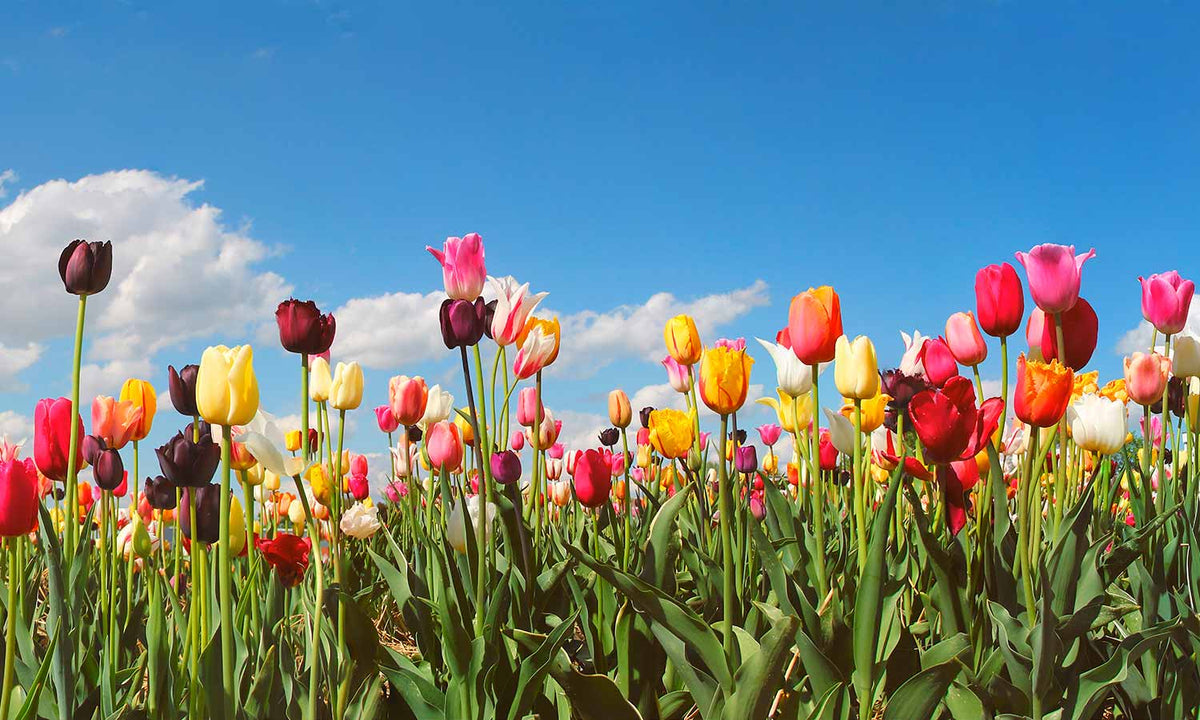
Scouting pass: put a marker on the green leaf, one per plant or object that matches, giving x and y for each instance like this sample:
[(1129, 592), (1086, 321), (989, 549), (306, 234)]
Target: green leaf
[(919, 697), (868, 604), (760, 676)]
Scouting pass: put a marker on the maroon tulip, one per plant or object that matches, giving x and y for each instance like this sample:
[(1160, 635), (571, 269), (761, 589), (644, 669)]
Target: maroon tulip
[(187, 463), (506, 467), (302, 327), (52, 437), (999, 300), (85, 267), (208, 513), (939, 362), (107, 468), (462, 322), (160, 493), (593, 478), (1080, 327), (182, 384)]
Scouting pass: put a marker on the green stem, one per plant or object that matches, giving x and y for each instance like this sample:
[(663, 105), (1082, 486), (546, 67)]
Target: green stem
[(73, 451), (818, 484), (726, 510), (226, 586), (10, 630), (860, 489)]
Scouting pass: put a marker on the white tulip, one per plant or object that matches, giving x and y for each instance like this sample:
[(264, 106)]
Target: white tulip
[(360, 521), (792, 375), (1097, 424), (456, 524)]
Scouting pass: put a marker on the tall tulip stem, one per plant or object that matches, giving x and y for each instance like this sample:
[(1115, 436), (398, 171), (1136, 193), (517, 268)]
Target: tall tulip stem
[(304, 406), (225, 584), (481, 526), (73, 452), (726, 510), (818, 484), (10, 629), (860, 491)]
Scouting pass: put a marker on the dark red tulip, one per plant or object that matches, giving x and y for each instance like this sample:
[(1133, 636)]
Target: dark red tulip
[(160, 493), (52, 437), (956, 480), (288, 554), (644, 416), (85, 267), (462, 322), (1080, 328), (302, 327), (999, 300), (182, 384), (506, 467), (593, 478), (208, 513), (187, 463), (107, 468)]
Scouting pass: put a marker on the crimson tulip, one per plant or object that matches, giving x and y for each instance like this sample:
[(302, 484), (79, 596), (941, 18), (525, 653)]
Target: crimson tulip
[(1080, 328), (18, 497), (593, 478), (52, 437), (302, 327), (938, 361), (999, 300), (288, 554)]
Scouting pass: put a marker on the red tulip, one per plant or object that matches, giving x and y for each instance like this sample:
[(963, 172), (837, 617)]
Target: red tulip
[(18, 497), (52, 437), (302, 327), (827, 454), (949, 425), (288, 554), (999, 299), (938, 361), (593, 478), (1080, 327)]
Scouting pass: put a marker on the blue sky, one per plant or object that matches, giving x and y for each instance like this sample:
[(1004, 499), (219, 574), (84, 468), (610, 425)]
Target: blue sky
[(609, 152)]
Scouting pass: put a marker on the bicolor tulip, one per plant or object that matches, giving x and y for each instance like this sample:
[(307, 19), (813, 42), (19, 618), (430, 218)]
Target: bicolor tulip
[(678, 376), (1080, 328), (288, 554), (85, 267), (856, 370), (528, 409), (52, 437), (346, 392), (671, 433), (462, 322), (444, 444), (320, 379), (142, 395), (964, 339), (538, 347), (682, 340), (938, 361), (387, 421), (302, 327), (593, 478), (1146, 377), (1185, 355), (1054, 273), (1097, 424), (619, 411), (182, 386), (18, 497), (187, 463), (1042, 391), (115, 422), (1166, 299), (463, 269), (549, 430), (226, 387), (407, 398), (999, 299), (724, 379), (815, 324), (793, 377), (514, 303)]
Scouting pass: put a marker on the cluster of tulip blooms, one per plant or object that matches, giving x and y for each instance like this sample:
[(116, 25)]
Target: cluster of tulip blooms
[(206, 601)]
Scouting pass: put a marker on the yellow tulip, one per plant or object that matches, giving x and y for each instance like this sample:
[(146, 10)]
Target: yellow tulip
[(856, 370), (671, 433), (141, 394), (237, 527), (318, 480), (785, 410), (255, 474), (270, 480), (724, 378), (465, 428), (346, 392), (643, 456), (682, 339), (770, 463), (292, 440), (873, 410), (319, 379), (226, 388)]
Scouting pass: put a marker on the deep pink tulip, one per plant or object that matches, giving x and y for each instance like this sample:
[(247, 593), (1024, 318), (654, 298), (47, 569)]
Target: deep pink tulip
[(769, 434), (395, 491), (358, 464), (52, 437), (556, 451), (593, 478), (463, 271), (517, 441), (1080, 328), (387, 421), (444, 443), (999, 299), (1054, 273), (360, 488), (1166, 298), (964, 339), (527, 407), (18, 497), (938, 361)]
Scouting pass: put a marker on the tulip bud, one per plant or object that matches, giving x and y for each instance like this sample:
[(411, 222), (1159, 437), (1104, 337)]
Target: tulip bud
[(746, 459), (678, 376), (107, 467), (965, 341), (1166, 299), (292, 440), (593, 478), (189, 463), (815, 324), (462, 322), (1146, 377), (528, 409), (1000, 300), (938, 361), (517, 441), (226, 387), (856, 371), (1185, 356), (302, 327), (682, 340), (346, 392), (182, 384), (445, 446), (619, 412), (644, 416), (386, 419), (609, 436), (506, 467), (85, 267), (160, 493)]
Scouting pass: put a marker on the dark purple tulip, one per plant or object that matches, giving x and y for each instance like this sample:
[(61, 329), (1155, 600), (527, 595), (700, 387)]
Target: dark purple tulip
[(489, 312), (506, 467), (85, 267), (107, 468), (609, 436), (302, 327), (1176, 398), (738, 436), (414, 434), (208, 513), (462, 322), (189, 464), (644, 416), (746, 459), (901, 389), (160, 493), (183, 389)]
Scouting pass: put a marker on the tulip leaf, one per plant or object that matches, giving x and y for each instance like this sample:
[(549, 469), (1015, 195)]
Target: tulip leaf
[(919, 697), (761, 674), (868, 605)]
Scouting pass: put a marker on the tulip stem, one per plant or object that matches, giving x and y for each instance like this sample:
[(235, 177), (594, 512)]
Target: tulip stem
[(626, 500), (225, 586), (818, 483), (304, 407), (10, 627), (726, 510), (1025, 524), (860, 490), (484, 472), (251, 557), (73, 448), (335, 551), (1160, 497), (314, 644)]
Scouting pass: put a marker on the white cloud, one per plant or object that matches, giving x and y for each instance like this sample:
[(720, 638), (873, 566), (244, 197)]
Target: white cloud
[(178, 272), (6, 177), (1138, 339), (16, 427), (13, 360), (390, 331)]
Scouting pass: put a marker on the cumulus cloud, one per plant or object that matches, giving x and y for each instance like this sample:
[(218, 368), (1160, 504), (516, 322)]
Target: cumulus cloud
[(179, 273), (389, 331), (15, 359), (16, 427), (6, 177)]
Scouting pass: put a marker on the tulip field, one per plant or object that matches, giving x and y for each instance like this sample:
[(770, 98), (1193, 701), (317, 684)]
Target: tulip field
[(928, 551)]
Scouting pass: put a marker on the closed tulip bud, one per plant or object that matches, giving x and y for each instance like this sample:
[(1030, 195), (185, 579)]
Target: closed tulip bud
[(292, 440), (444, 444), (1054, 273), (1080, 327), (320, 380), (302, 327), (694, 460), (1042, 391), (793, 377), (226, 388), (52, 437), (360, 487), (506, 467), (528, 409), (187, 463), (964, 339), (517, 441), (386, 420), (160, 493), (1146, 377), (141, 395), (463, 268), (1185, 356), (207, 502), (1000, 300), (643, 456), (182, 384), (679, 376), (408, 398), (644, 416), (856, 371), (815, 324), (85, 267), (462, 322), (724, 379), (671, 433), (619, 412), (107, 468), (18, 497), (746, 459), (682, 340), (1166, 299), (609, 436), (593, 478), (346, 392), (771, 464), (1097, 424)]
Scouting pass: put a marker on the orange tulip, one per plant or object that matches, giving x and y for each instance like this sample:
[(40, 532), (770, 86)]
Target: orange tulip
[(815, 324), (1042, 392), (115, 422)]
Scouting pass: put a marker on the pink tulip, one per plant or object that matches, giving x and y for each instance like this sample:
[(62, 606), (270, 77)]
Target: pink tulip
[(444, 443), (1054, 275), (1155, 436), (593, 478), (617, 460), (527, 407), (1146, 377), (1035, 330), (359, 487), (408, 398), (965, 341), (395, 491), (463, 271), (1166, 298), (556, 451), (769, 434), (358, 464), (387, 421), (938, 361), (517, 441), (678, 375)]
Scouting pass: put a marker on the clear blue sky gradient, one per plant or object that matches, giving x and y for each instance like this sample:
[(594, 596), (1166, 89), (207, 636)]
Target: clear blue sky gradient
[(608, 151)]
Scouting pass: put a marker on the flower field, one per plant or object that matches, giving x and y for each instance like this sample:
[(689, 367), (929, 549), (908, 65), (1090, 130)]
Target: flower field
[(929, 551)]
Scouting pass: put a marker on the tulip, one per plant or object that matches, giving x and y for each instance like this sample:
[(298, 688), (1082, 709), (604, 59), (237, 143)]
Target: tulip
[(724, 379), (874, 411), (444, 444), (746, 459), (528, 409), (386, 419), (593, 478), (949, 424), (407, 399), (107, 468), (841, 432), (538, 344), (346, 392), (463, 271), (1054, 275), (360, 487), (506, 467), (182, 384), (52, 437), (769, 434), (514, 304), (462, 322), (1079, 328), (1166, 299), (682, 340), (554, 468), (142, 395), (361, 521), (456, 524), (1042, 392), (548, 431), (671, 433), (302, 327), (85, 267), (115, 422), (619, 411), (644, 416), (679, 376), (785, 410), (292, 440), (438, 405), (320, 379), (288, 554), (965, 341), (207, 502), (793, 377), (465, 429), (160, 493), (815, 324), (938, 361), (827, 453), (914, 347), (188, 463), (999, 299), (18, 498), (1185, 355), (1146, 377), (1097, 424), (609, 437), (226, 388), (856, 371)]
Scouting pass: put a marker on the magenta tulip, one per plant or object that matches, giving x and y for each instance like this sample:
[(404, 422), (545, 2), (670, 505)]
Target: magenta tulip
[(463, 270), (1166, 298), (593, 478), (1054, 273)]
